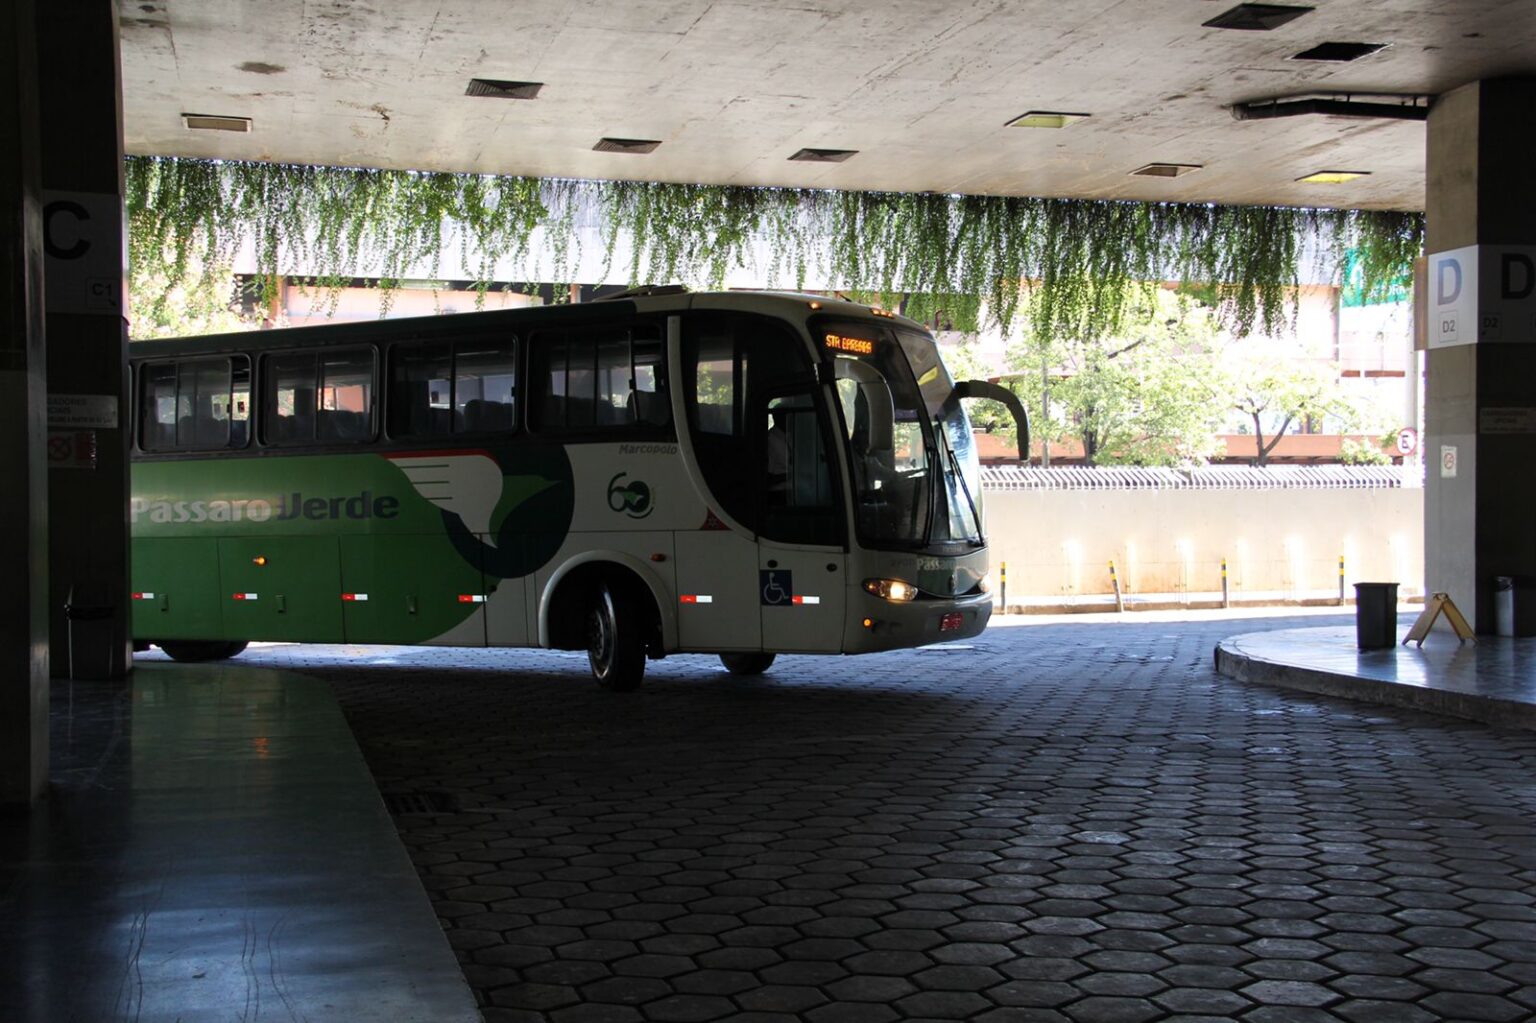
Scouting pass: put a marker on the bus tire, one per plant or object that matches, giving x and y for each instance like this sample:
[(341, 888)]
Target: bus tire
[(615, 638), (194, 651), (746, 664)]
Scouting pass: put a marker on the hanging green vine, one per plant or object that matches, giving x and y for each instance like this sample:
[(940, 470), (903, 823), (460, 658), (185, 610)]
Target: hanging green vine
[(967, 257)]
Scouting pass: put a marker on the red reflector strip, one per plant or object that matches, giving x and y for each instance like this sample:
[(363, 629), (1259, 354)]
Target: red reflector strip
[(471, 598), (696, 598), (143, 596), (354, 596), (951, 621), (805, 600), (246, 596)]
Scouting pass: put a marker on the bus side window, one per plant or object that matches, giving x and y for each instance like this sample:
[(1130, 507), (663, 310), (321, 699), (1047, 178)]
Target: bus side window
[(346, 395), (191, 405), (599, 381), (239, 408), (157, 406), (649, 404), (420, 390), (288, 405), (548, 370), (485, 386), (202, 402), (437, 388)]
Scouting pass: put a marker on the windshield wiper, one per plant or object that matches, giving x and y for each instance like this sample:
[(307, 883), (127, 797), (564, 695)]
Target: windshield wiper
[(954, 466), (965, 488)]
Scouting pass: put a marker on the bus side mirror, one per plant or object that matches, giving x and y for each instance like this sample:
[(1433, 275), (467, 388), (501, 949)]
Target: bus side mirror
[(997, 392)]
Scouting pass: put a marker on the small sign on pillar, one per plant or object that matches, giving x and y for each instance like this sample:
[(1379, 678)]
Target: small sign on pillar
[(71, 449)]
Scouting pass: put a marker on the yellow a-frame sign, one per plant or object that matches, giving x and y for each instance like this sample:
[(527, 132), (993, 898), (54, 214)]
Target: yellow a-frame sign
[(1437, 604)]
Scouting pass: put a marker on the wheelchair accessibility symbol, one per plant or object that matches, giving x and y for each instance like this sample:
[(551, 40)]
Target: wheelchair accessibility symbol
[(776, 587)]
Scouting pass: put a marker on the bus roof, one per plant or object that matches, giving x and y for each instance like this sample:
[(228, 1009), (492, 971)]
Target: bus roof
[(407, 328)]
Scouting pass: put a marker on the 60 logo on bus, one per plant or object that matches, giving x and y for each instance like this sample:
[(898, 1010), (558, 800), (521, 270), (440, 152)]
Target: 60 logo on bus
[(632, 498)]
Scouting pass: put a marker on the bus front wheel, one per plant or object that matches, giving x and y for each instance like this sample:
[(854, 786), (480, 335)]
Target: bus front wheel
[(615, 639), (746, 664), (202, 650)]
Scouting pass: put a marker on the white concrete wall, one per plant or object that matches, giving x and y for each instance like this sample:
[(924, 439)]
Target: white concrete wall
[(1281, 544)]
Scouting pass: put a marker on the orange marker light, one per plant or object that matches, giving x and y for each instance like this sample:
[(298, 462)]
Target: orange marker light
[(259, 560)]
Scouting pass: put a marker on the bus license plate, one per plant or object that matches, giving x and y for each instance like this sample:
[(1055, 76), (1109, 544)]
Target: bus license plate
[(951, 621)]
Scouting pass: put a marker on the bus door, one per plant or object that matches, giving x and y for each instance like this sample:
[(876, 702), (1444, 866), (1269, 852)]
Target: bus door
[(802, 562)]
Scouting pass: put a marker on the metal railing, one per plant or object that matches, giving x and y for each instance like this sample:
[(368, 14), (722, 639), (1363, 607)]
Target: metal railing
[(1211, 477)]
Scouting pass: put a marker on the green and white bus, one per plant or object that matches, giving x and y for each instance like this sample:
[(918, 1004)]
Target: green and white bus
[(740, 474)]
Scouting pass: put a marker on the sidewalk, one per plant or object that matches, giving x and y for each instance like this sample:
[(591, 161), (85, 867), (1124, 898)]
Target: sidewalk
[(1492, 680), (213, 847)]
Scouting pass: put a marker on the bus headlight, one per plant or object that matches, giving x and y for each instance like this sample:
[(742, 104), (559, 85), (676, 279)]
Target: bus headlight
[(985, 586), (891, 589)]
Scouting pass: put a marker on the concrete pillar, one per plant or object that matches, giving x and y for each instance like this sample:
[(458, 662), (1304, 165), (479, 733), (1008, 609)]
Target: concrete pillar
[(24, 497), (1480, 388), (81, 128)]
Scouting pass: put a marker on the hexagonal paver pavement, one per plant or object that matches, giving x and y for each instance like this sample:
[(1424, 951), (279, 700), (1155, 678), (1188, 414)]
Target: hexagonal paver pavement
[(1073, 822)]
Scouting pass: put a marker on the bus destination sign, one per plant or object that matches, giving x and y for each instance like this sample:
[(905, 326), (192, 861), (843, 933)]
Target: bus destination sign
[(855, 345)]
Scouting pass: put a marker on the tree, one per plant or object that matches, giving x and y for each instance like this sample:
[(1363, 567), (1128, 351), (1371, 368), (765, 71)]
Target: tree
[(1277, 391), (159, 308), (1145, 396)]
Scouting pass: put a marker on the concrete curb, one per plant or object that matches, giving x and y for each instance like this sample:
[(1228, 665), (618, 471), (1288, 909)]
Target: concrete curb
[(1233, 662)]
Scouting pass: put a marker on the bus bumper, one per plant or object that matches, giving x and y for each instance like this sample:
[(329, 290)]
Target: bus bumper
[(884, 625)]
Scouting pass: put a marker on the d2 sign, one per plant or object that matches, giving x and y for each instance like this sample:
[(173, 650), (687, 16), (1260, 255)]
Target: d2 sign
[(1482, 294)]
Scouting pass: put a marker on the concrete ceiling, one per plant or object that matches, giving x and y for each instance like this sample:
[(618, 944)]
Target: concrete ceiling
[(921, 88)]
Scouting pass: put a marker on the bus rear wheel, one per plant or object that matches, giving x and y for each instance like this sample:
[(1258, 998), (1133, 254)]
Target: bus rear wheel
[(202, 650), (615, 639), (746, 664)]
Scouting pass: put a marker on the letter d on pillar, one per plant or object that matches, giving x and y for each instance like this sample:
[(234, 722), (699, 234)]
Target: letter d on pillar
[(1447, 280), (1517, 276)]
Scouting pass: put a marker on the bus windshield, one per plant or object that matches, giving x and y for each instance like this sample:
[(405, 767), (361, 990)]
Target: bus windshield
[(916, 476)]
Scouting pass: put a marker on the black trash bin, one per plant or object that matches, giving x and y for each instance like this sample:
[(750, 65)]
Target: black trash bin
[(1375, 615), (1514, 606), (90, 640)]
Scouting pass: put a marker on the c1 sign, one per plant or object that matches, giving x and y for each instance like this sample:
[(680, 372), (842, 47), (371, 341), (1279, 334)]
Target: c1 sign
[(83, 253)]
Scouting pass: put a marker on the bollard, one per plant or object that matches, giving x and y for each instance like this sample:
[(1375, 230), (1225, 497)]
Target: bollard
[(1226, 595), (1341, 580), (1115, 580), (1002, 588)]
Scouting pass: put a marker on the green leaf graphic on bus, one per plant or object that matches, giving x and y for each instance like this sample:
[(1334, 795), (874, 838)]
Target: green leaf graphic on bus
[(522, 507)]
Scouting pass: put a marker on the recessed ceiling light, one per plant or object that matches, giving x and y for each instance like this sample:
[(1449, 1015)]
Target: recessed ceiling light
[(1044, 119), (498, 89), (1333, 177), (1339, 51), (824, 155), (1257, 17), (215, 122), (1167, 170), (612, 145)]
